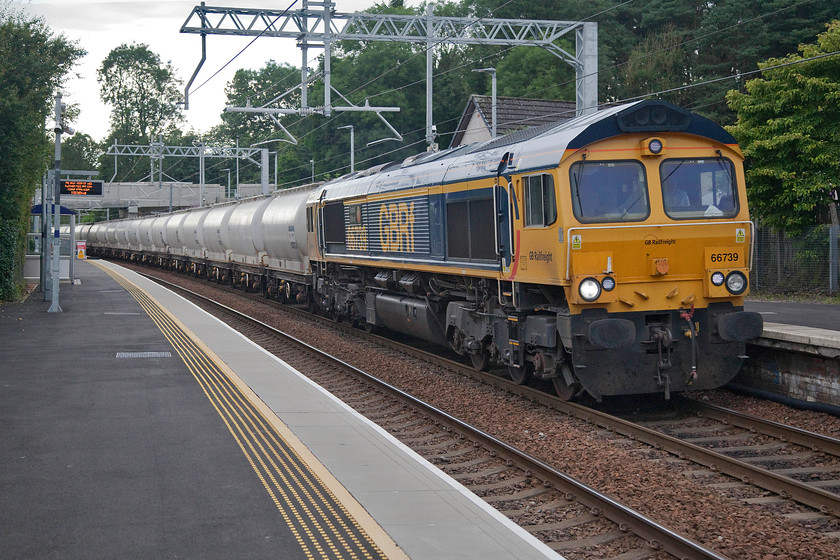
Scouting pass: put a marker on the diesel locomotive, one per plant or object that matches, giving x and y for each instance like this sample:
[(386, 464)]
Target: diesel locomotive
[(608, 254)]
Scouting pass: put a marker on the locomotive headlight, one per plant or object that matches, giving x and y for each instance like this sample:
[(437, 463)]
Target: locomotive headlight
[(589, 289), (608, 283), (736, 283), (717, 278)]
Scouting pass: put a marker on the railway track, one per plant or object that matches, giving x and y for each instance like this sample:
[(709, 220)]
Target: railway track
[(793, 464), (568, 516), (662, 435)]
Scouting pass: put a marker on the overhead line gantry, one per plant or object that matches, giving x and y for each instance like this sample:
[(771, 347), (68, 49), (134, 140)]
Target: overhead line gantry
[(318, 25)]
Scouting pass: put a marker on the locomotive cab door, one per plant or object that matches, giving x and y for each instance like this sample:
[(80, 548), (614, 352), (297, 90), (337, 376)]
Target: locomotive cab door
[(504, 204), (533, 249), (314, 228), (505, 207)]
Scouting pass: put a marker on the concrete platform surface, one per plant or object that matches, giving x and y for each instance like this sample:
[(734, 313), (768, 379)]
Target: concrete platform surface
[(110, 448)]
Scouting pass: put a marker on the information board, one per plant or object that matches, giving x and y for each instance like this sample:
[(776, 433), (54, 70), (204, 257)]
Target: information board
[(82, 187)]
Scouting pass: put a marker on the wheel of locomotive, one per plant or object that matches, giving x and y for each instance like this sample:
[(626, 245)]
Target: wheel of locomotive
[(561, 387), (522, 374), (480, 361)]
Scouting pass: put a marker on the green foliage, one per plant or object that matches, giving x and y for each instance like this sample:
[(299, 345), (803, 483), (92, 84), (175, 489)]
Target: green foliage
[(535, 73), (79, 152), (657, 63), (257, 88), (32, 63), (788, 128), (736, 35), (142, 91), (643, 47)]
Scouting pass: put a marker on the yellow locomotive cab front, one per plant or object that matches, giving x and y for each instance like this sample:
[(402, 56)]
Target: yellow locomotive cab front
[(657, 256)]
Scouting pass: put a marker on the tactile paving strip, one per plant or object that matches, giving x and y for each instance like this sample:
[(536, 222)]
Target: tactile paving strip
[(318, 520)]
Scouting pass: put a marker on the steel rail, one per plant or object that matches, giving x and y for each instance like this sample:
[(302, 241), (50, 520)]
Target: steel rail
[(786, 487), (790, 434), (824, 501)]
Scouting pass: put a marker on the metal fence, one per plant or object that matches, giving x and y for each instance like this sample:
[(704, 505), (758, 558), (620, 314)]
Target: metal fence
[(806, 263)]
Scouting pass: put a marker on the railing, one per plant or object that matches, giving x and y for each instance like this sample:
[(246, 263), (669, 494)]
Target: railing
[(806, 263)]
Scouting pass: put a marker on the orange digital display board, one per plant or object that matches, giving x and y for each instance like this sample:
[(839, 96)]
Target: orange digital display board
[(83, 188)]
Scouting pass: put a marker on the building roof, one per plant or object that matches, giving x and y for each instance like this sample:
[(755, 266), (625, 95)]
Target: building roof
[(512, 113)]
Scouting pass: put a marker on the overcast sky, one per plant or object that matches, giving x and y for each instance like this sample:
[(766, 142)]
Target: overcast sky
[(101, 25)]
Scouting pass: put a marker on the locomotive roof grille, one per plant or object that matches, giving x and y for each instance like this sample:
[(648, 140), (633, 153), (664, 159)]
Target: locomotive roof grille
[(514, 137), (644, 116), (653, 116)]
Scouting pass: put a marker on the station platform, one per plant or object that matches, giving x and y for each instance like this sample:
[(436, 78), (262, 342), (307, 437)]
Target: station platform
[(807, 327), (135, 425), (796, 360)]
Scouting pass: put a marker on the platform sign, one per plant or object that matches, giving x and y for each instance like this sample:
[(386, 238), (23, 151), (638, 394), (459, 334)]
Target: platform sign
[(81, 250), (82, 187)]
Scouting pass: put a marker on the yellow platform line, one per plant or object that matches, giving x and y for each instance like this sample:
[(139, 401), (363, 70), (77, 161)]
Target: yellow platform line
[(320, 521)]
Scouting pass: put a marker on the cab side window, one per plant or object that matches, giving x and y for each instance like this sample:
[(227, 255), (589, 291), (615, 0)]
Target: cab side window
[(540, 201)]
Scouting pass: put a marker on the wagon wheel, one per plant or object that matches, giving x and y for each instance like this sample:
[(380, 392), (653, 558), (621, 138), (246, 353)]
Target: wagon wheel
[(563, 389), (480, 361), (521, 375)]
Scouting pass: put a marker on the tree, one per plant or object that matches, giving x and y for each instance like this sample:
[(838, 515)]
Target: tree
[(788, 129), (80, 152), (32, 63), (142, 91), (536, 73), (256, 88), (734, 36), (656, 64)]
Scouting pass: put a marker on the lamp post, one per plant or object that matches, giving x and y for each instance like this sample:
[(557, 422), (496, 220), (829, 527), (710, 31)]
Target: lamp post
[(492, 72), (237, 165), (227, 192), (269, 141), (352, 147), (55, 245), (312, 162)]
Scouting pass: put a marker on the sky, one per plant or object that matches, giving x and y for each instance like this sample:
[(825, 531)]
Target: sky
[(98, 26)]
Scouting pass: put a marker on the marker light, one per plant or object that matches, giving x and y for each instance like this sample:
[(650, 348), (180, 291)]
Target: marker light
[(717, 278), (589, 289), (608, 283), (655, 146)]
